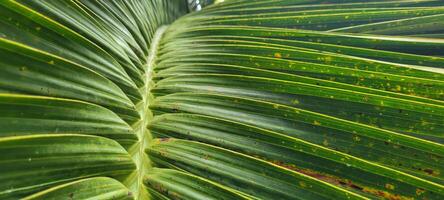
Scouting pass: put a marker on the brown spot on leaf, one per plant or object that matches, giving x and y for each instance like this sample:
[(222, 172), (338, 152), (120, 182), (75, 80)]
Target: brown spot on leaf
[(419, 191), (431, 172), (385, 195), (344, 182), (164, 139)]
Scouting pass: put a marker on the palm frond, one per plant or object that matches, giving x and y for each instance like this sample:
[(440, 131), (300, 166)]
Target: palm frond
[(257, 99)]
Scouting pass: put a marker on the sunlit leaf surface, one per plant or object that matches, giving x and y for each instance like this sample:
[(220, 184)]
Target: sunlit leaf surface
[(240, 99)]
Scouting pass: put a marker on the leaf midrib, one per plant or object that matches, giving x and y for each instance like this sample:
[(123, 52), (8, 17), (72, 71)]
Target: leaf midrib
[(143, 164)]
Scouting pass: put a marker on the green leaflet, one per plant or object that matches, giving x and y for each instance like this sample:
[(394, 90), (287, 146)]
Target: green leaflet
[(92, 29), (402, 58), (46, 160), (409, 26), (418, 46), (32, 72), (240, 69), (367, 142), (270, 7), (252, 176), (292, 153), (365, 108), (245, 99), (90, 188), (220, 69), (323, 20), (414, 86), (43, 33), (77, 67), (27, 115), (314, 4), (179, 185)]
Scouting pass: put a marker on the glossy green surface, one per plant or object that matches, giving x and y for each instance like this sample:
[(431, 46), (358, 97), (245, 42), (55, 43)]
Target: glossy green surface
[(245, 99)]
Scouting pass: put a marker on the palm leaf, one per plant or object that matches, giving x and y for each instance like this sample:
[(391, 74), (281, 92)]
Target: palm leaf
[(262, 99)]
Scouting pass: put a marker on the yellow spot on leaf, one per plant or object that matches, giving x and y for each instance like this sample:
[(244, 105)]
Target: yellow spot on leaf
[(328, 59), (389, 186), (277, 55), (325, 143), (419, 191)]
